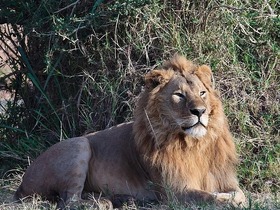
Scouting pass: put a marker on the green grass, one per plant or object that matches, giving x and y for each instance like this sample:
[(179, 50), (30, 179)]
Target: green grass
[(82, 67)]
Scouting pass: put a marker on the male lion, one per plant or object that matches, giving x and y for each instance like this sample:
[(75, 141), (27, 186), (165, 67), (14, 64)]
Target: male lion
[(179, 142)]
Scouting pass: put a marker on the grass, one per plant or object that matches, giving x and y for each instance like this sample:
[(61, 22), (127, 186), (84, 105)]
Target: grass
[(8, 185), (83, 66)]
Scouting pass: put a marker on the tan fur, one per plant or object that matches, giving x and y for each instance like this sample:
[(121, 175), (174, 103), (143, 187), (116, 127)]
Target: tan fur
[(179, 142)]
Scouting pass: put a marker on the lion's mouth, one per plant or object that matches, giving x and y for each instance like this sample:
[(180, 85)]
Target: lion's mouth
[(192, 126), (196, 130)]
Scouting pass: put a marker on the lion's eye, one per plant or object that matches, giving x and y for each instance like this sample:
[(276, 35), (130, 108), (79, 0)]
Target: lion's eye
[(180, 95), (202, 93)]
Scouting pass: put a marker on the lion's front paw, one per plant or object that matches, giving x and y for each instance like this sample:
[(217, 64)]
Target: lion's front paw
[(237, 198)]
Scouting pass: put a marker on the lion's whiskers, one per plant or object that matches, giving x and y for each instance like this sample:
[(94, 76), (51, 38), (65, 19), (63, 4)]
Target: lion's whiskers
[(152, 128)]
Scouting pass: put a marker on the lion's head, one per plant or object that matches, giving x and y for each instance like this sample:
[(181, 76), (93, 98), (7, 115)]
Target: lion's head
[(184, 101), (179, 100)]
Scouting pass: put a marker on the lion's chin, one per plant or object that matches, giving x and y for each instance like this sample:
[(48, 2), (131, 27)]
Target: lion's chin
[(197, 131)]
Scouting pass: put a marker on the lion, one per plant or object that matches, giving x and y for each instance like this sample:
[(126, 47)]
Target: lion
[(179, 142)]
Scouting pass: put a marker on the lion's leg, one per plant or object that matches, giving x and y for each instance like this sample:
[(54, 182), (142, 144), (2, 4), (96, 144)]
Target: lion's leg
[(237, 198), (72, 194), (196, 197), (71, 179)]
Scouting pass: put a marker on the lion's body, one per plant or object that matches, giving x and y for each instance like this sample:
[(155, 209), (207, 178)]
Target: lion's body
[(179, 141), (89, 164)]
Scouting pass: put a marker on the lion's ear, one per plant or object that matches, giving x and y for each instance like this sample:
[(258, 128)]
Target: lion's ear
[(157, 77), (204, 73)]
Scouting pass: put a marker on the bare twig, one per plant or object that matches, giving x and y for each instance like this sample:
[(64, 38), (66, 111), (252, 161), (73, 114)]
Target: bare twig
[(70, 5)]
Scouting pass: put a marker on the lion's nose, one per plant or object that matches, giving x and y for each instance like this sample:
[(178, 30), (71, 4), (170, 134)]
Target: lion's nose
[(198, 111)]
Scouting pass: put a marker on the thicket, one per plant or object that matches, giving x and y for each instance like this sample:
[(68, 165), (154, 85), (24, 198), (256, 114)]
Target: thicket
[(76, 66)]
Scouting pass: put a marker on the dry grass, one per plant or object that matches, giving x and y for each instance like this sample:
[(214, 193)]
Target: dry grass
[(9, 185)]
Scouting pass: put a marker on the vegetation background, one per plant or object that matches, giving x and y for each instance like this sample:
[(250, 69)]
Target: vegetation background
[(71, 67)]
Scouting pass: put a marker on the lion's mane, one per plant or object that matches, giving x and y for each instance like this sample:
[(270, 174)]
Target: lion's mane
[(185, 162)]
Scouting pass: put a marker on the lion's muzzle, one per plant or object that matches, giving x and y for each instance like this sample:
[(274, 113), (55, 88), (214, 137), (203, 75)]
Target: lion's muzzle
[(196, 124)]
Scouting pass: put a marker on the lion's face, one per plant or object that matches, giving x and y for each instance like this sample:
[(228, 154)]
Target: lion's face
[(182, 99), (186, 101)]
